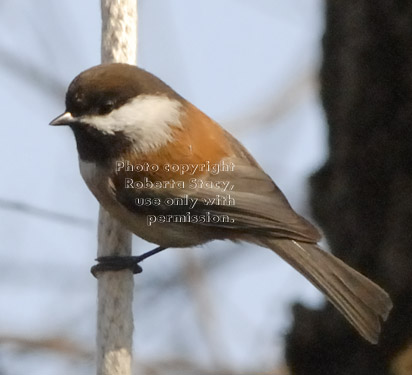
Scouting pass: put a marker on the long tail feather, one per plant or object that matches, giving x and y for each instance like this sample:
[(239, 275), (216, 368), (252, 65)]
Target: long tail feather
[(363, 303)]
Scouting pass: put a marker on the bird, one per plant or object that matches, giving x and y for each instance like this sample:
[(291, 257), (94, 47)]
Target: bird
[(174, 177)]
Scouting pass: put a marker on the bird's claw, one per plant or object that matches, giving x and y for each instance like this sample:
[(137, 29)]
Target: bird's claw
[(116, 263), (120, 263)]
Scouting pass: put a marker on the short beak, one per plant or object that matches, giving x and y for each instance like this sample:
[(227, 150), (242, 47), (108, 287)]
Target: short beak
[(65, 119)]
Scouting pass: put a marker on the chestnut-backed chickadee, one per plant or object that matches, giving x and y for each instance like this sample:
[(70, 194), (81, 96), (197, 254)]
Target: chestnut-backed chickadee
[(174, 177)]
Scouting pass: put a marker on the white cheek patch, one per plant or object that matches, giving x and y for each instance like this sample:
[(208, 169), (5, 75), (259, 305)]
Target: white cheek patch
[(147, 120)]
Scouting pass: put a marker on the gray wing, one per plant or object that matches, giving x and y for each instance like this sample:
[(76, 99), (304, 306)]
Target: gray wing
[(257, 205)]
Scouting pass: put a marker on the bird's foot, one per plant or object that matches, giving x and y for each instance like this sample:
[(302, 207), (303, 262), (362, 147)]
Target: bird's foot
[(120, 263)]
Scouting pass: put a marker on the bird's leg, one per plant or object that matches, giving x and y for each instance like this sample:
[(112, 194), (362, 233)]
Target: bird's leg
[(119, 262)]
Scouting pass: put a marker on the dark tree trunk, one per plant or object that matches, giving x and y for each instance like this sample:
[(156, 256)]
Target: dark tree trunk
[(362, 196)]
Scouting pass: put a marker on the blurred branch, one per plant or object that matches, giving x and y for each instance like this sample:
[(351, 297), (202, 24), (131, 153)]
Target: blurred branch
[(195, 279), (275, 107), (6, 204), (171, 280), (26, 71), (172, 366), (179, 366), (54, 344)]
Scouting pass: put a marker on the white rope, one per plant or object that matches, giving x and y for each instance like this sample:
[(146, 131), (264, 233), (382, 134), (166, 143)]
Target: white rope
[(119, 31), (115, 289)]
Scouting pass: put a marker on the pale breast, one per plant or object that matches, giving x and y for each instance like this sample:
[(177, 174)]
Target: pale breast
[(100, 184)]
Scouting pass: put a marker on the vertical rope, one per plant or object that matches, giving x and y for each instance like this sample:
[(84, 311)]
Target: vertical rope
[(115, 289), (119, 31)]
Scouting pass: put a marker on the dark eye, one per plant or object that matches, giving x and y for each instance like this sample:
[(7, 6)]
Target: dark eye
[(107, 107)]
